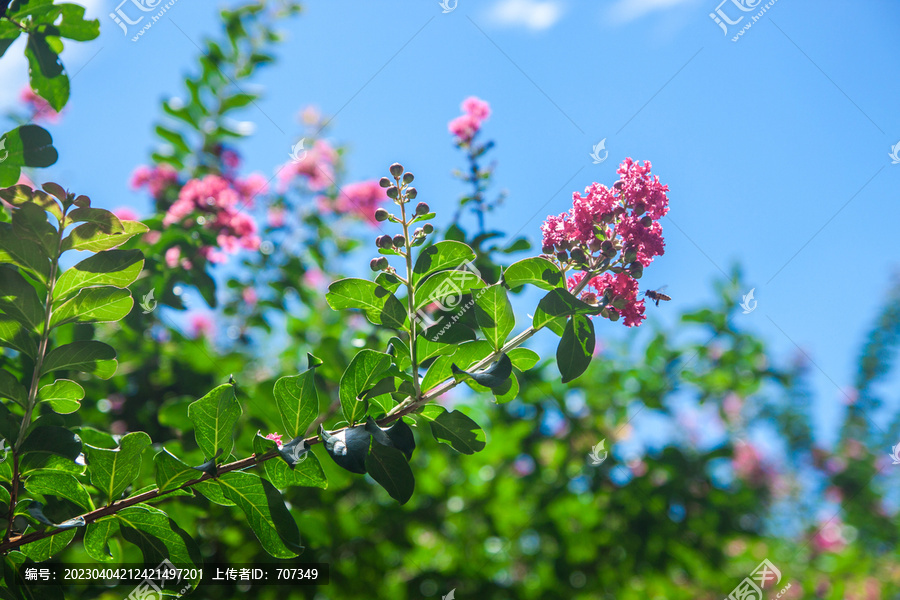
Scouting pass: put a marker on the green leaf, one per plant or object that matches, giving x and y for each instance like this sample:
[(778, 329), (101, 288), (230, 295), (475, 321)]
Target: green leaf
[(20, 194), (29, 221), (23, 253), (157, 536), (492, 377), (42, 550), (425, 348), (235, 101), (440, 256), (446, 288), (466, 355), (52, 439), (508, 391), (47, 76), (73, 24), (96, 538), (94, 305), (171, 473), (348, 447), (559, 303), (106, 220), (380, 305), (89, 356), (494, 314), (61, 485), (118, 268), (307, 472), (214, 417), (523, 358), (12, 389), (25, 146), (174, 138), (454, 428), (396, 435), (16, 336), (213, 492), (576, 348), (363, 372), (537, 271), (298, 401), (63, 395), (265, 510), (19, 300), (390, 469), (92, 237), (113, 470)]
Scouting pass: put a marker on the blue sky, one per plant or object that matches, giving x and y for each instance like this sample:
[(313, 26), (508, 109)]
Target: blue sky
[(775, 147)]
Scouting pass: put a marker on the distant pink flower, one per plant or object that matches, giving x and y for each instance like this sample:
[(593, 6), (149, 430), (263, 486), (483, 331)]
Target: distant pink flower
[(172, 256), (830, 537), (732, 405), (25, 180), (834, 494), (125, 213), (200, 326), (747, 464), (40, 109), (231, 159), (465, 126), (276, 216), (638, 467), (313, 277), (249, 296), (360, 199), (310, 115), (275, 437), (151, 237), (316, 168), (251, 187), (155, 179), (476, 108)]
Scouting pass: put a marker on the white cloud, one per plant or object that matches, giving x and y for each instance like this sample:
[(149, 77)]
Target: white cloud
[(536, 15), (628, 10)]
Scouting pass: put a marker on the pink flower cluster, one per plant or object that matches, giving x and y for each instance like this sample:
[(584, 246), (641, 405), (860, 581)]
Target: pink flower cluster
[(219, 202), (622, 290), (616, 228), (315, 166), (38, 107), (155, 179), (360, 198), (465, 126)]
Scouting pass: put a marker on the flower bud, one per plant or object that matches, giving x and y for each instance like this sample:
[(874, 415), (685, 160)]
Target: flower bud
[(419, 233), (630, 255), (421, 209), (613, 316), (396, 170), (411, 193), (383, 263), (604, 313), (619, 302), (608, 249), (381, 215), (384, 241), (408, 177), (375, 263), (589, 298), (428, 228), (399, 241), (619, 185), (393, 192), (578, 255), (639, 209), (636, 270), (384, 182), (595, 245), (547, 249), (561, 256), (646, 221)]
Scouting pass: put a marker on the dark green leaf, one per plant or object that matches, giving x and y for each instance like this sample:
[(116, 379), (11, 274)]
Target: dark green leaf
[(19, 300), (42, 550), (576, 348), (91, 237), (25, 146), (96, 538), (118, 268), (348, 447), (52, 439), (74, 26), (29, 222), (12, 389), (494, 314), (465, 356), (94, 305), (171, 473), (390, 469), (440, 256), (364, 371), (113, 470), (454, 428), (23, 253), (45, 71), (265, 510), (559, 303), (446, 288), (380, 305), (397, 435), (492, 377), (214, 417), (298, 401), (157, 536), (61, 485), (88, 356), (16, 336), (307, 471)]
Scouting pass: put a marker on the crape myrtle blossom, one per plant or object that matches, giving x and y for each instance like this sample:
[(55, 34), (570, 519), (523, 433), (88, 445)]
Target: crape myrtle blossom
[(217, 203), (616, 230), (156, 179), (315, 168), (475, 112), (360, 199)]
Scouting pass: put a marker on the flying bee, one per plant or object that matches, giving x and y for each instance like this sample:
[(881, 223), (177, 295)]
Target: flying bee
[(657, 295)]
